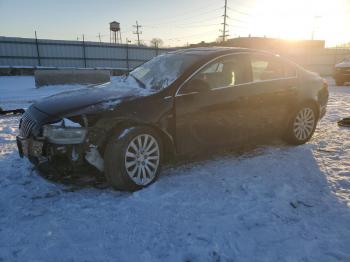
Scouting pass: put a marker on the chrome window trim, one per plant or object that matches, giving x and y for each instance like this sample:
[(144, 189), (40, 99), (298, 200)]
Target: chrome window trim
[(187, 94), (203, 66), (224, 87), (247, 83), (253, 82)]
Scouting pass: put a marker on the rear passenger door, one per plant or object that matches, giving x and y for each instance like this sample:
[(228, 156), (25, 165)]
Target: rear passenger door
[(274, 83)]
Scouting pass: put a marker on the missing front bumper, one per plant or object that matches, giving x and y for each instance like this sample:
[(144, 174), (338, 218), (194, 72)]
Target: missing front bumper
[(74, 154)]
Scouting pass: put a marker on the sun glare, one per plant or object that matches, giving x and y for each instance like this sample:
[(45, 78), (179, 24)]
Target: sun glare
[(301, 19)]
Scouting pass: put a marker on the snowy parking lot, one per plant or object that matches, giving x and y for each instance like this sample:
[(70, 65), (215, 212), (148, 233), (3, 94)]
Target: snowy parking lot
[(274, 203)]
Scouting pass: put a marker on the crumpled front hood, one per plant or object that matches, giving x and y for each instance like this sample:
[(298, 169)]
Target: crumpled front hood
[(106, 96)]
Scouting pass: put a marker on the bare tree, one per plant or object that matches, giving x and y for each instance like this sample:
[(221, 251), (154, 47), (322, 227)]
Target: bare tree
[(156, 42)]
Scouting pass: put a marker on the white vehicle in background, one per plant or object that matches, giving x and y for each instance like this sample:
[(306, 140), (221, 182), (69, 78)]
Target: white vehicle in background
[(342, 72)]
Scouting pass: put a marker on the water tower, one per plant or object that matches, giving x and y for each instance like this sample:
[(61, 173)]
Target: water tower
[(115, 34)]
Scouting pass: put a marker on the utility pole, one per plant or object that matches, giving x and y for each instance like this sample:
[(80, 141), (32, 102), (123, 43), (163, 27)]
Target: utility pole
[(127, 54), (224, 31), (84, 51), (99, 36), (138, 32), (37, 48), (314, 26)]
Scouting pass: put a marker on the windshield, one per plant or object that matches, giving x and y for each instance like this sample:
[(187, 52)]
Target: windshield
[(162, 70)]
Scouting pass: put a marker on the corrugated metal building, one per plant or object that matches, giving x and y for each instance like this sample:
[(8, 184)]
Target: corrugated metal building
[(22, 52)]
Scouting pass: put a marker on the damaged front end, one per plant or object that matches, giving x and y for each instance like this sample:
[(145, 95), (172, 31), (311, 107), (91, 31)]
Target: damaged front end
[(63, 143)]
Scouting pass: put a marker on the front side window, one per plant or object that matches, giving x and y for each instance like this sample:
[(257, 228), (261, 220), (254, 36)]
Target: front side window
[(213, 68), (221, 73)]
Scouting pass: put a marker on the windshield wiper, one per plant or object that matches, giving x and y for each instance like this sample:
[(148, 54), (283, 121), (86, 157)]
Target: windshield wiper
[(142, 84)]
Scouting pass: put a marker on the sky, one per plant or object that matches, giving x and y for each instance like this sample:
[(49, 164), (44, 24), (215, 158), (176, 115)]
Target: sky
[(177, 22)]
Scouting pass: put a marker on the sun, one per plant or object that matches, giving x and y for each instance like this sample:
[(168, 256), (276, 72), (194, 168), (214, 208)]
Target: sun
[(301, 19)]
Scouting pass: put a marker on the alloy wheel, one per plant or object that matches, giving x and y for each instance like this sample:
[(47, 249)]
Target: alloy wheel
[(304, 124), (142, 159)]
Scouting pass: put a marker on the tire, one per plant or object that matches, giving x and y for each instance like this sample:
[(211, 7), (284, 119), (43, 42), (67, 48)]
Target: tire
[(302, 125), (133, 159)]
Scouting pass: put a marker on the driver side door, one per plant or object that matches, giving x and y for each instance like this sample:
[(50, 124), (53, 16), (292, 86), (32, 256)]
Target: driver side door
[(209, 106)]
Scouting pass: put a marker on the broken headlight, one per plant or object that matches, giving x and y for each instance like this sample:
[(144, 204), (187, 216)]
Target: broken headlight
[(64, 135)]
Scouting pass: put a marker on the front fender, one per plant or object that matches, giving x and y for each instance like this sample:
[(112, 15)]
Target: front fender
[(104, 129)]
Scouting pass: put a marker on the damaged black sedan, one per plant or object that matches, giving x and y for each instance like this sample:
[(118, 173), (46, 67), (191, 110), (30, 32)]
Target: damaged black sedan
[(178, 104)]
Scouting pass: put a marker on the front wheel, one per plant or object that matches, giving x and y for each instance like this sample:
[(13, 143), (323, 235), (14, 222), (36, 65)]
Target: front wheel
[(132, 160), (302, 125)]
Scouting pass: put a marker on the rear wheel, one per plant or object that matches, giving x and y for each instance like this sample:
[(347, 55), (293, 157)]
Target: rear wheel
[(132, 160), (302, 125)]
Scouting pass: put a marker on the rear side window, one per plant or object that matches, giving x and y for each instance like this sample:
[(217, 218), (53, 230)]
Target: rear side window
[(268, 68)]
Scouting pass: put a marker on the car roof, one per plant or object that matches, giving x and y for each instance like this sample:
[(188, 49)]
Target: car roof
[(208, 53), (214, 51)]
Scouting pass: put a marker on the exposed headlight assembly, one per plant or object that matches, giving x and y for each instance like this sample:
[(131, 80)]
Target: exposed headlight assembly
[(64, 135)]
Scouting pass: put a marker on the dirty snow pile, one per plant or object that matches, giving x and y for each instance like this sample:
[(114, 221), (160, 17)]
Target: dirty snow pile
[(275, 203), (25, 93)]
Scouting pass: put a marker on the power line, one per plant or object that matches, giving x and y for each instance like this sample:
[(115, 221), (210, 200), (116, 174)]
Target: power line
[(194, 23), (239, 12), (196, 26), (246, 6), (237, 20), (192, 16), (242, 13), (176, 20), (240, 26), (138, 32), (192, 35), (191, 12)]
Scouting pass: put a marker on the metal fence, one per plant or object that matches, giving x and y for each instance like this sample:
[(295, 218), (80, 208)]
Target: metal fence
[(29, 52)]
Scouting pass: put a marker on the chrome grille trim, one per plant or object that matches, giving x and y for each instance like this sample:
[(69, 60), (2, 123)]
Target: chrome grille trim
[(26, 125)]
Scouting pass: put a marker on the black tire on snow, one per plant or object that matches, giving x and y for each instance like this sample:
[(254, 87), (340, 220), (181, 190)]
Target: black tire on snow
[(290, 136), (114, 155)]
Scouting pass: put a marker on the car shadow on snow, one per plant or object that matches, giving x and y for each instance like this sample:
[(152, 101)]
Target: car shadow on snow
[(228, 170), (256, 192), (74, 180), (270, 197)]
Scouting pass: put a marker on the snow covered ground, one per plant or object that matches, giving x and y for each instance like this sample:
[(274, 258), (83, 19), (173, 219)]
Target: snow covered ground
[(275, 203), (21, 91)]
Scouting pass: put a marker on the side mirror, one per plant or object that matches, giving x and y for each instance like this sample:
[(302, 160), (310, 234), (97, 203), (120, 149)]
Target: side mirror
[(197, 85)]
